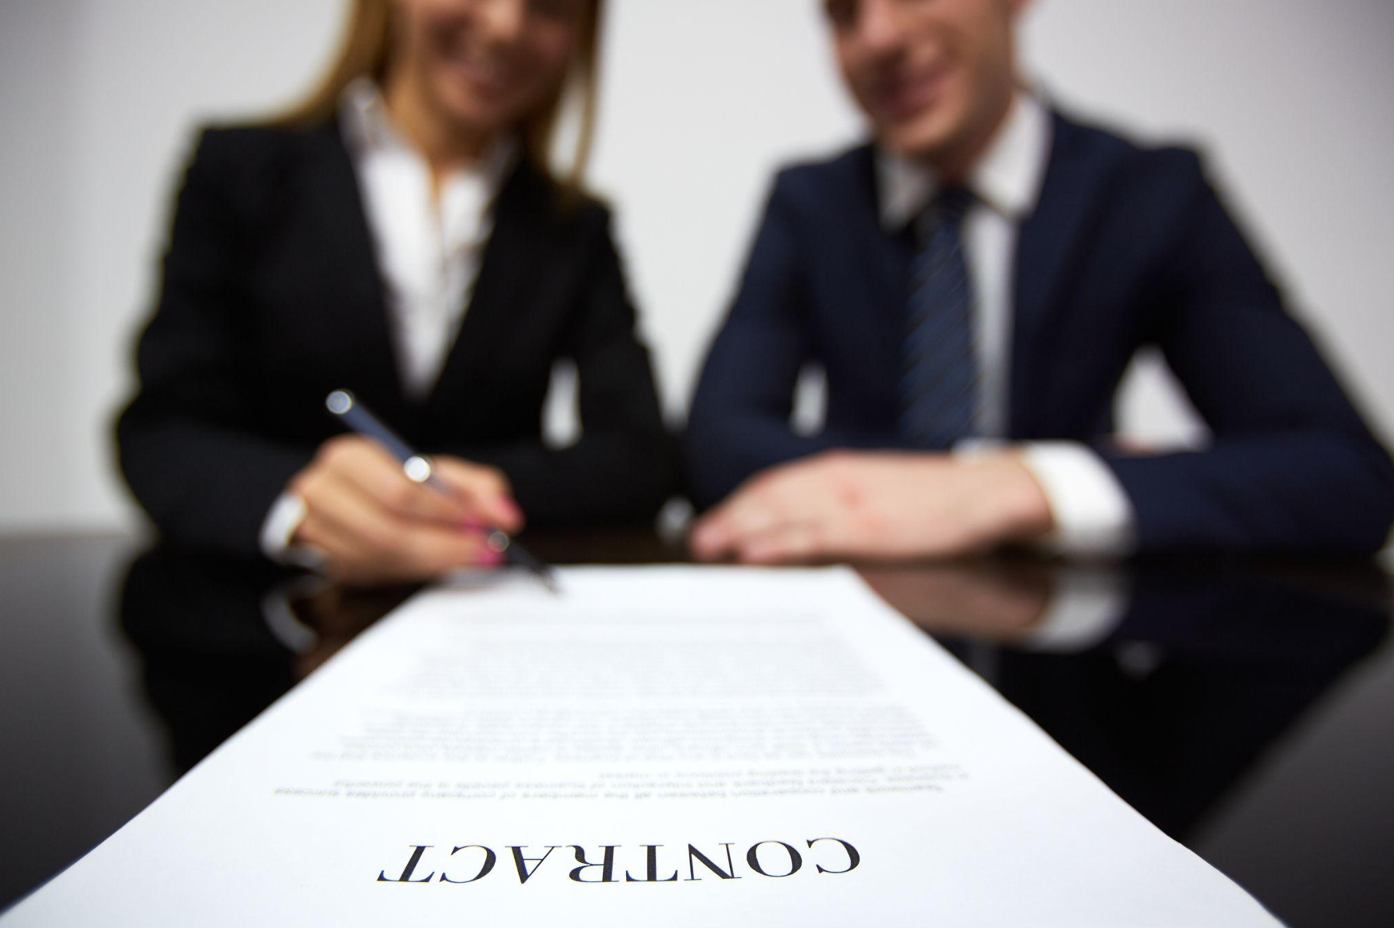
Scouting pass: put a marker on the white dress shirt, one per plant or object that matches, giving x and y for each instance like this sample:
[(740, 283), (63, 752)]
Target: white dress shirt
[(429, 245), (1092, 514)]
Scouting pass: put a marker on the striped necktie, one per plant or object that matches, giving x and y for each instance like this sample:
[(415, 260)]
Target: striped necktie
[(939, 388)]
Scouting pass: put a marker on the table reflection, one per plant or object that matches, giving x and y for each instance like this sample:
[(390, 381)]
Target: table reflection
[(1168, 681)]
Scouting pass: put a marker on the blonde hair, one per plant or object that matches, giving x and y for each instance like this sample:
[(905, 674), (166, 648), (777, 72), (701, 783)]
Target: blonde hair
[(368, 43)]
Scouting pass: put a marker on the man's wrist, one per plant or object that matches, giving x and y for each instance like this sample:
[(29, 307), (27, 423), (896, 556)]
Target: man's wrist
[(1093, 516), (1017, 507)]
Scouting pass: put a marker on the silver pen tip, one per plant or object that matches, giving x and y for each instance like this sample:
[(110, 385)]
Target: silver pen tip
[(339, 402), (417, 468)]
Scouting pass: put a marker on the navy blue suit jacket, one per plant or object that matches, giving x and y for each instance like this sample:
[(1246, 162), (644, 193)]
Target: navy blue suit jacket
[(1127, 247)]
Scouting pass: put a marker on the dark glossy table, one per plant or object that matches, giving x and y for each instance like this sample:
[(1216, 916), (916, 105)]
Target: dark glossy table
[(1245, 708)]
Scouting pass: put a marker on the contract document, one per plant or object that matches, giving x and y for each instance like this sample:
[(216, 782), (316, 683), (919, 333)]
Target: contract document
[(670, 745)]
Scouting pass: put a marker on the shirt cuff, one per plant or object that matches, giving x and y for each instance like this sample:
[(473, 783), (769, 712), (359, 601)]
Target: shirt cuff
[(282, 520), (1093, 516)]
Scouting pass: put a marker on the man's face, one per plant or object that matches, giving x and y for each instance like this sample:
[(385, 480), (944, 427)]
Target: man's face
[(934, 76)]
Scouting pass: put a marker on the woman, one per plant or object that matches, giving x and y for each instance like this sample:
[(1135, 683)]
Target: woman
[(400, 235)]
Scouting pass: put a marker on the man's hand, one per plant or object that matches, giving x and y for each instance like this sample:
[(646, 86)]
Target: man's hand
[(876, 506), (373, 524)]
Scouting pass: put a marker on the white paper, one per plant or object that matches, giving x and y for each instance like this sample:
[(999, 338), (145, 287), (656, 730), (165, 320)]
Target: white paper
[(787, 717)]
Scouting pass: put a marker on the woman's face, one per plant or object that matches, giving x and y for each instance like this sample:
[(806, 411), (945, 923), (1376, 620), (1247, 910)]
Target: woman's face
[(486, 65)]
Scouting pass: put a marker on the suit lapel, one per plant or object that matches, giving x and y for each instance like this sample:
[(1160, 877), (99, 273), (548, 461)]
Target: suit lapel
[(513, 247), (886, 255), (884, 267), (359, 327), (1047, 247)]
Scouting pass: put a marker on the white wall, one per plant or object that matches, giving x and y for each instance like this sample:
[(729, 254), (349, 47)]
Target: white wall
[(99, 100), (703, 98)]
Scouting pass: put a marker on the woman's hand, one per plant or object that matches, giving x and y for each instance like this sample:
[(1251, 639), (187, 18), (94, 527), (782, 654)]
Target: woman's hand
[(371, 523)]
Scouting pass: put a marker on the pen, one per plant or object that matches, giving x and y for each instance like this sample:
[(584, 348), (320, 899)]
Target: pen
[(345, 406)]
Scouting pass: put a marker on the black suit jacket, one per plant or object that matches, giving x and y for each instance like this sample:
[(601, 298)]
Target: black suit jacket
[(1127, 247), (271, 298)]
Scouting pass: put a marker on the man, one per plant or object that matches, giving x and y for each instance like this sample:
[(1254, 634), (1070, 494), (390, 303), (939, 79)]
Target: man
[(985, 270)]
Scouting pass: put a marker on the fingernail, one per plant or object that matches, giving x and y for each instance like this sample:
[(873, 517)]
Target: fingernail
[(490, 558), (472, 525)]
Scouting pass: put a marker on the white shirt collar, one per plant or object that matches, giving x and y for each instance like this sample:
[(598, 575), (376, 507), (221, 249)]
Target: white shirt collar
[(1007, 178)]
